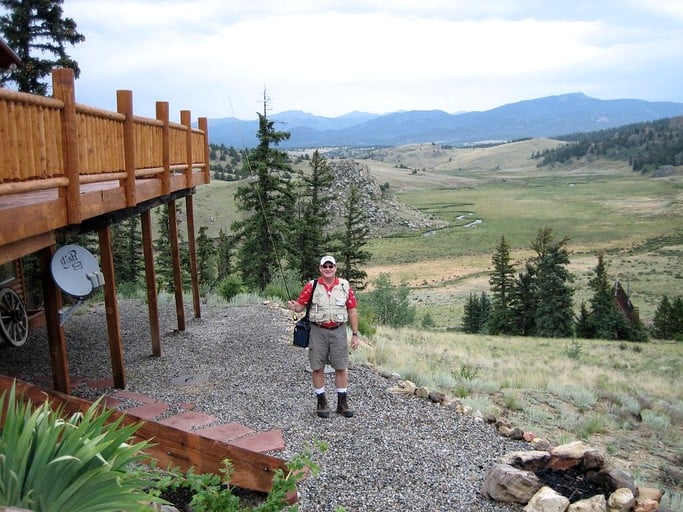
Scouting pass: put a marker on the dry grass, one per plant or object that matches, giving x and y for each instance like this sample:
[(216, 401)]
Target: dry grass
[(626, 398)]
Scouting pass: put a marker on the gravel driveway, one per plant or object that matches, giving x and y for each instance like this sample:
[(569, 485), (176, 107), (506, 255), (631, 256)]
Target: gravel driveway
[(396, 454)]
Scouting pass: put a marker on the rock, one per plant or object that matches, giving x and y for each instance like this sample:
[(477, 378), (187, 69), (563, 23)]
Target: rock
[(531, 460), (649, 493), (511, 485), (540, 443), (646, 505), (547, 500), (517, 434), (529, 436), (570, 455), (595, 504), (437, 397), (621, 500), (614, 479), (422, 392)]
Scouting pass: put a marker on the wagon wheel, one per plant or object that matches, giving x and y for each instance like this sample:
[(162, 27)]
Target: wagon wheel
[(13, 318)]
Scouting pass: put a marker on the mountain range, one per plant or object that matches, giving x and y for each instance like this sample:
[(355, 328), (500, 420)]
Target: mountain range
[(543, 117)]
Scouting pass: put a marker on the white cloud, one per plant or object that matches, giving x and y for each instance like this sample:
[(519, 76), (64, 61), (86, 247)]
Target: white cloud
[(330, 57)]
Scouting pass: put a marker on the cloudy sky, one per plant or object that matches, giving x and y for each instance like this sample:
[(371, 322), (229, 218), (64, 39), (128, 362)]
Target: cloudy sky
[(332, 57)]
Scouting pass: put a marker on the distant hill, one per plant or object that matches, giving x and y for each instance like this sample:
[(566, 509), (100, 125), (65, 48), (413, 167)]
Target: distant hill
[(544, 117)]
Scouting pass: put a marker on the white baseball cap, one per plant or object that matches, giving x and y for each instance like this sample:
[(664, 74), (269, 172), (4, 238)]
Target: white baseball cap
[(327, 259)]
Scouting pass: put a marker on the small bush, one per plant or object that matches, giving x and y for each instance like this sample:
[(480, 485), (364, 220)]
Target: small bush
[(51, 464)]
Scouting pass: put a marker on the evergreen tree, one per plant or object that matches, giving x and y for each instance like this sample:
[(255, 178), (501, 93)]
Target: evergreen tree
[(268, 202), (353, 239), (554, 316), (584, 328), (310, 241), (224, 255), (206, 262), (677, 319), (661, 323), (472, 313), (502, 278), (37, 31), (525, 302), (605, 321), (162, 246), (476, 315), (126, 248)]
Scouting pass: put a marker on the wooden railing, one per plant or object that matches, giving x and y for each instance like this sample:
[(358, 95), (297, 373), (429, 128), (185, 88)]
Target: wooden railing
[(54, 143)]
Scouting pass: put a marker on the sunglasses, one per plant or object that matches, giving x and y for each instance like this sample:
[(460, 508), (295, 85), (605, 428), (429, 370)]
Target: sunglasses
[(327, 265)]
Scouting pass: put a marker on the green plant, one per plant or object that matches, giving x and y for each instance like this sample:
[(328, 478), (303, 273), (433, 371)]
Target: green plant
[(574, 350), (231, 286), (79, 464), (212, 493)]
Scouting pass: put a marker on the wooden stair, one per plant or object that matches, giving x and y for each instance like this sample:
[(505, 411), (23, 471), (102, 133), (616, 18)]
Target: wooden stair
[(181, 440)]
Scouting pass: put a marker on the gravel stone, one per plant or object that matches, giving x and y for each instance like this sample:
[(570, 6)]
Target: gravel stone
[(397, 453)]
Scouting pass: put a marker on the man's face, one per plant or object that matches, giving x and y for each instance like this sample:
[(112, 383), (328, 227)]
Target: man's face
[(328, 269)]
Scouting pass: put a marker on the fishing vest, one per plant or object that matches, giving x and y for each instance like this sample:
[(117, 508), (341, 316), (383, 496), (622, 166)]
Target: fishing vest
[(330, 307)]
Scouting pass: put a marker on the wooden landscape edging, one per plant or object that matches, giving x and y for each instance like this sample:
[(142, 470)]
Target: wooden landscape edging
[(171, 447)]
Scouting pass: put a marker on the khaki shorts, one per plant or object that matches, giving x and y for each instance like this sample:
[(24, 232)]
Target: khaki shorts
[(328, 346)]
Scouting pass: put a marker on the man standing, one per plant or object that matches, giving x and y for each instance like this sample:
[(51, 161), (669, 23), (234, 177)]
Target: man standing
[(333, 304)]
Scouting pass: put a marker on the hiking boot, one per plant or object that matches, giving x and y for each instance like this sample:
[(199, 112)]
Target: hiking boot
[(343, 406), (321, 409)]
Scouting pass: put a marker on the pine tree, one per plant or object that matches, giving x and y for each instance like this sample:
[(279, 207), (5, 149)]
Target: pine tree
[(661, 323), (224, 255), (525, 302), (206, 261), (353, 239), (127, 252), (37, 31), (606, 321), (310, 240), (268, 202), (162, 248), (554, 316), (472, 313), (502, 278)]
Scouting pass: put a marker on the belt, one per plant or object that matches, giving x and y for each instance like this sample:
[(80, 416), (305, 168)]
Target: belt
[(326, 326)]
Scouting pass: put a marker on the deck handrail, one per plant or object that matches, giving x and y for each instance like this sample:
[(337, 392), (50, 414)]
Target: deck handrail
[(56, 143)]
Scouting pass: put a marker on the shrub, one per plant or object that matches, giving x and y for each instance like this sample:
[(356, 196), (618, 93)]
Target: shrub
[(231, 286), (51, 464)]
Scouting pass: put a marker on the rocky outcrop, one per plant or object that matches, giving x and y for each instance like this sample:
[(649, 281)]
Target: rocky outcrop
[(384, 212)]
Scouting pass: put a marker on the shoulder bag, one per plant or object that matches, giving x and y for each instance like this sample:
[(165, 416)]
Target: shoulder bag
[(302, 329)]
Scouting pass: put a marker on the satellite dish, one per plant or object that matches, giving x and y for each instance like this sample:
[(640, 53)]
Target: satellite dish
[(75, 270)]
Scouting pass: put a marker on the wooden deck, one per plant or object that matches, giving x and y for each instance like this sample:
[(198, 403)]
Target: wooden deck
[(62, 163)]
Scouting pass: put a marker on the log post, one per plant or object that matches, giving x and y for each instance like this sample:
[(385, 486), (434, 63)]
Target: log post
[(203, 123), (175, 261), (192, 247), (112, 308), (150, 277), (162, 115), (55, 333), (124, 105), (63, 89), (186, 121)]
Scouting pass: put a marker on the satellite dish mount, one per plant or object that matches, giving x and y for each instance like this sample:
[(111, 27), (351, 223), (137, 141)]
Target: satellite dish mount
[(76, 272)]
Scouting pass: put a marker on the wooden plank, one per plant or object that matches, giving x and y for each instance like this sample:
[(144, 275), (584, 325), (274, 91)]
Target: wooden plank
[(112, 309), (20, 248), (172, 447)]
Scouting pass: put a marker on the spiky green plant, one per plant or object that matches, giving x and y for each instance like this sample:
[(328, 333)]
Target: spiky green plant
[(51, 464)]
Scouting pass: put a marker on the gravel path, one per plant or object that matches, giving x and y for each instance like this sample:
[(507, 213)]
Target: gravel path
[(397, 454)]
